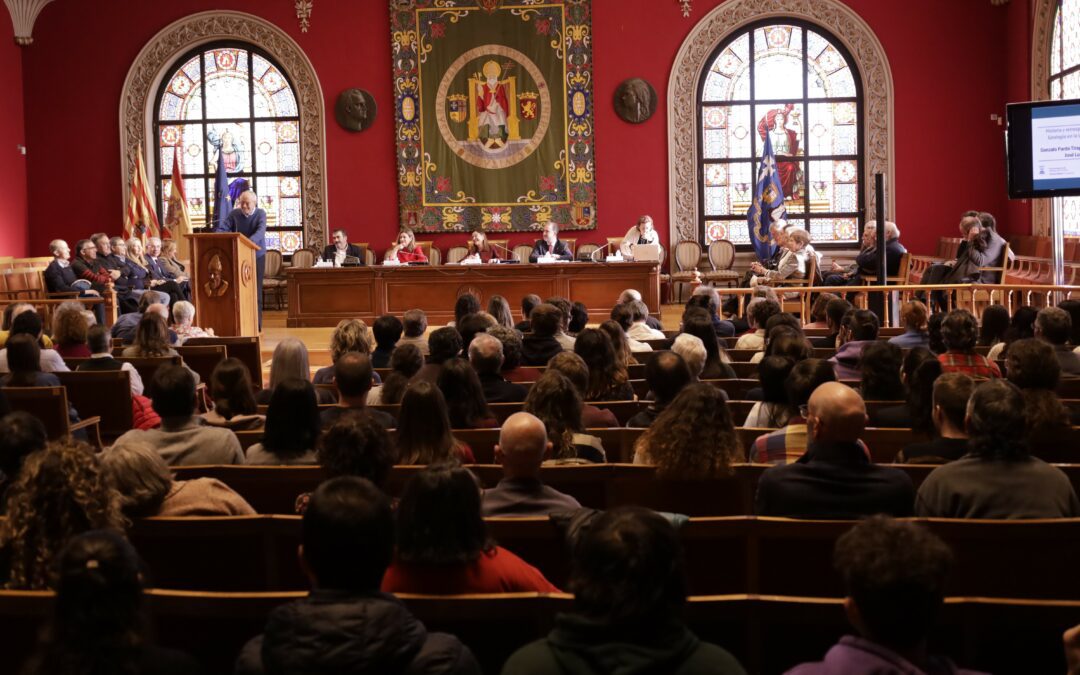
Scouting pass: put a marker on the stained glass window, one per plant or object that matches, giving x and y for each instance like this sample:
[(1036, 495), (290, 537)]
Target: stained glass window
[(795, 83), (233, 100), (1065, 84)]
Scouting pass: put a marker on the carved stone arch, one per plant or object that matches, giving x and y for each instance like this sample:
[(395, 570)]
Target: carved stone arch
[(1041, 41), (179, 37), (730, 17)]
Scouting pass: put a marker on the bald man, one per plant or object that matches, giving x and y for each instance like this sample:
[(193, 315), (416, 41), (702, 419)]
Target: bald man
[(834, 479), (523, 444), (486, 357)]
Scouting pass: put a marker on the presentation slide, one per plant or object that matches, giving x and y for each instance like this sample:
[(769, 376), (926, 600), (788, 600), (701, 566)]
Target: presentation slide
[(1055, 147)]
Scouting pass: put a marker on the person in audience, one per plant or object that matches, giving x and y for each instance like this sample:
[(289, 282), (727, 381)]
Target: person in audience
[(405, 248), (773, 410), (920, 370), (629, 590), (835, 312), (998, 478), (183, 323), (182, 439), (444, 344), (424, 432), (550, 247), (666, 375), (292, 426), (1021, 327), (10, 312), (350, 335), (386, 331), (147, 273), (29, 324), (982, 247), (355, 445), (708, 298), (640, 329), (1054, 326), (782, 339), (859, 329), (789, 443), (405, 362), (792, 265), (538, 347), (97, 624), (472, 325), (995, 323), (608, 380), (126, 324), (696, 322), (60, 277), (112, 252), (24, 361), (21, 435), (352, 378), (619, 342), (465, 397), (169, 260), (694, 437), (866, 263), (101, 358), (443, 547), (1073, 308), (555, 400), (574, 369), (234, 398), (562, 336), (1031, 366), (466, 304), (881, 364), (290, 360), (894, 577), (913, 318), (692, 350), (59, 493), (70, 329), (818, 316), (633, 294), (579, 318), (152, 340), (835, 479), (160, 273), (499, 308), (959, 330), (933, 332), (951, 394), (623, 316), (512, 369), (414, 325), (523, 445), (147, 489), (345, 624), (528, 304), (758, 313), (486, 357), (88, 268)]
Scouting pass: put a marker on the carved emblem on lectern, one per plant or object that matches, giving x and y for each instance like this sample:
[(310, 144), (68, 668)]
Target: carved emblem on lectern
[(216, 286), (245, 273)]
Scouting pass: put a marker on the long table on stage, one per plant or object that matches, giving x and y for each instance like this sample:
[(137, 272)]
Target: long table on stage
[(323, 296)]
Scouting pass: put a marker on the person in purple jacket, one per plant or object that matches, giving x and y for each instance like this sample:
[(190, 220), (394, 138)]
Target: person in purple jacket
[(894, 575)]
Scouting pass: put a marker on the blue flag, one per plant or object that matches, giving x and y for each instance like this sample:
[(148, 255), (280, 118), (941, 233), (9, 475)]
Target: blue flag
[(222, 202), (768, 206)]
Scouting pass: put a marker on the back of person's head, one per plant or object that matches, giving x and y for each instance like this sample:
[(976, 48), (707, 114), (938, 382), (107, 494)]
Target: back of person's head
[(692, 350), (639, 310), (99, 340), (356, 445), (24, 360), (148, 298), (230, 387), (21, 434), (499, 308), (27, 323), (352, 374), (880, 363), (70, 327), (697, 322), (173, 392), (290, 360), (1053, 325), (628, 295), (152, 335), (605, 371), (836, 413), (573, 367), (805, 377), (467, 303), (522, 445), (555, 400), (414, 323), (1031, 364), (987, 221), (835, 311), (444, 343), (711, 294), (952, 391), (347, 535), (579, 317), (387, 331), (773, 372), (1022, 324), (783, 340), (619, 341), (11, 311), (761, 312), (996, 422), (439, 521), (627, 569), (464, 395), (995, 323), (405, 361), (350, 335), (528, 304), (783, 319), (933, 331), (183, 312), (913, 359), (511, 345), (292, 419), (623, 315), (959, 330), (564, 307), (818, 309), (895, 573), (920, 386), (913, 315), (1073, 308), (471, 325), (862, 324), (424, 426), (486, 354), (138, 473), (666, 375), (694, 436)]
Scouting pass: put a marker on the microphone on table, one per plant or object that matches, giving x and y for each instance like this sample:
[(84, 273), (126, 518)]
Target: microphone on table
[(605, 247)]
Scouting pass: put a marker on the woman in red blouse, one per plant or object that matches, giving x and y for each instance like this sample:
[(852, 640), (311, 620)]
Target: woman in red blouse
[(406, 250), (443, 547), (481, 249)]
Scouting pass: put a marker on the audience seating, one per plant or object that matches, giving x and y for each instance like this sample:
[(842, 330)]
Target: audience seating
[(202, 358), (247, 349), (103, 394), (50, 405)]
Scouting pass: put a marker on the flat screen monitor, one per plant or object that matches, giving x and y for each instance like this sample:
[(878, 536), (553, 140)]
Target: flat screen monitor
[(1042, 143)]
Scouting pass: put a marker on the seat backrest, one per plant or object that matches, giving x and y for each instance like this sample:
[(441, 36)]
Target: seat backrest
[(721, 254), (687, 255), (273, 263), (202, 358), (48, 404), (106, 394), (246, 348), (1002, 265), (522, 252), (456, 254), (434, 256), (571, 243), (148, 366), (303, 258), (586, 250)]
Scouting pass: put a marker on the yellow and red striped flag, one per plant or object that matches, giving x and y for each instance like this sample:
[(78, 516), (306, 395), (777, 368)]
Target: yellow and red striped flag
[(140, 220), (177, 219)]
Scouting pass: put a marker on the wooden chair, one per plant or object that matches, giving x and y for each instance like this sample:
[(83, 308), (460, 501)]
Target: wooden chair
[(304, 258), (687, 258), (50, 405), (522, 251), (801, 304), (585, 251), (102, 394), (721, 259), (248, 349), (274, 278), (456, 254), (269, 489), (903, 274), (979, 298), (148, 366)]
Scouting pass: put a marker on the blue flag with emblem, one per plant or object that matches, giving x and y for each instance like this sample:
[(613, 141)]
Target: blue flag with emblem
[(768, 206), (222, 202)]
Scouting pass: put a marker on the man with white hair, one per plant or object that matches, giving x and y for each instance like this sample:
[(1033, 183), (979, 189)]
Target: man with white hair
[(249, 220), (692, 350), (178, 287), (61, 278), (183, 323), (125, 326), (523, 443), (866, 263), (486, 357), (631, 294)]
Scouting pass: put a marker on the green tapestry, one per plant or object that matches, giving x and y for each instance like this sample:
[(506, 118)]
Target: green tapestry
[(494, 114)]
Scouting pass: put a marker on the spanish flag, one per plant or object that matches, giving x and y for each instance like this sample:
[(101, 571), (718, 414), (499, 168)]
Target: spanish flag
[(140, 220), (177, 219)]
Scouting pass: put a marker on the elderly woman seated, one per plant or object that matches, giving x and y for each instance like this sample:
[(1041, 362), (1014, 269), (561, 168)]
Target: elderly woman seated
[(183, 315), (793, 264)]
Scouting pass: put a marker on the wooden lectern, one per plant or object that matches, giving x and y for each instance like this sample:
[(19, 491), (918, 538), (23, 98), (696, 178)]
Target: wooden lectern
[(223, 283)]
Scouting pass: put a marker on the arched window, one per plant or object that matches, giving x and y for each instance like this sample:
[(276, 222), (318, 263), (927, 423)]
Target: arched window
[(1065, 84), (794, 81), (232, 99)]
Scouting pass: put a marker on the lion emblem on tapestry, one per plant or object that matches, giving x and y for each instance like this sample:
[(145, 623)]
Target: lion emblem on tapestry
[(494, 114)]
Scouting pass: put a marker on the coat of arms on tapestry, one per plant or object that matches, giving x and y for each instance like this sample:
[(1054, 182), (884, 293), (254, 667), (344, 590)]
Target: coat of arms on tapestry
[(494, 114)]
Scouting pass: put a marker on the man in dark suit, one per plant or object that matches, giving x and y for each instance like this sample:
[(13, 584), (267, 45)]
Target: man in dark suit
[(866, 263), (522, 445), (249, 220), (486, 357), (550, 246), (60, 277), (981, 247), (162, 279), (341, 249), (127, 285)]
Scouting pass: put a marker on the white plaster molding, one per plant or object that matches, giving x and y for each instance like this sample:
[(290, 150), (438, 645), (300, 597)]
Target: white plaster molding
[(686, 8), (159, 54), (23, 15), (878, 140), (1044, 12)]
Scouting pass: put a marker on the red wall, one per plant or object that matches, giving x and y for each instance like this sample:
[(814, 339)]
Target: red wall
[(948, 152), (13, 222)]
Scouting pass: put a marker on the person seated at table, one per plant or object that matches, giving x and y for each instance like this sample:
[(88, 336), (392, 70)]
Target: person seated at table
[(29, 323), (341, 249), (556, 401), (480, 250), (60, 277), (352, 378), (152, 341), (234, 399), (443, 546), (866, 263), (952, 391), (183, 323), (292, 426), (550, 247), (424, 435), (641, 233), (521, 493), (69, 330), (405, 249)]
